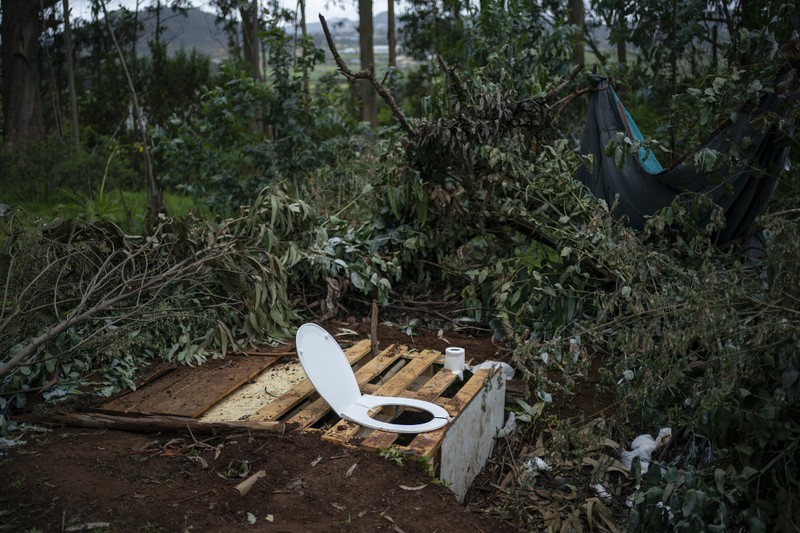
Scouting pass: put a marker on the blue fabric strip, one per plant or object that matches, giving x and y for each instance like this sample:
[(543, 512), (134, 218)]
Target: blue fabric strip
[(647, 158)]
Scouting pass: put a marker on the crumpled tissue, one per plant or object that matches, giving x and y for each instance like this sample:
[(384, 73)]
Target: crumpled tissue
[(508, 429), (643, 447), (505, 368), (536, 464)]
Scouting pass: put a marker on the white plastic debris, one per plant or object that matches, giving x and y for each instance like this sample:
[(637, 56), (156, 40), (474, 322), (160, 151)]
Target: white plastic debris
[(8, 443), (667, 510), (575, 348), (602, 493), (643, 447), (626, 376), (505, 368), (508, 429), (536, 464)]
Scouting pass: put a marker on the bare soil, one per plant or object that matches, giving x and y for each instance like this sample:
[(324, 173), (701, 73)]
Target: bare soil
[(77, 479)]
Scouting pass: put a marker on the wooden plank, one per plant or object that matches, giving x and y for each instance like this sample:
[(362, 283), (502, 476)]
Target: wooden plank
[(371, 369), (191, 391), (303, 390), (436, 386), (421, 362), (378, 440)]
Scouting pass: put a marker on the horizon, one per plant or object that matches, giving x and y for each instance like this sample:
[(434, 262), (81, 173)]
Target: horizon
[(346, 9)]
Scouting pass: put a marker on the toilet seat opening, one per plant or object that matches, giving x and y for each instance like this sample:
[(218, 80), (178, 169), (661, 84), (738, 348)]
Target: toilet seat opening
[(400, 414)]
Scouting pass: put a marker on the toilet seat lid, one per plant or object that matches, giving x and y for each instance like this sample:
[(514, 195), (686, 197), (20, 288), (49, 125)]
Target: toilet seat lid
[(327, 367)]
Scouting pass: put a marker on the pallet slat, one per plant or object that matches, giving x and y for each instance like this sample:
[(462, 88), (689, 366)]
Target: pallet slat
[(300, 392), (369, 371)]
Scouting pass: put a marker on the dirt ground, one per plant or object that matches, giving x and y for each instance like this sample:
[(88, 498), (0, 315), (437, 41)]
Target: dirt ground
[(78, 479)]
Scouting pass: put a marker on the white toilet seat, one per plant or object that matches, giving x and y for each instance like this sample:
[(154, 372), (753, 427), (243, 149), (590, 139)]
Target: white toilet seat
[(329, 371)]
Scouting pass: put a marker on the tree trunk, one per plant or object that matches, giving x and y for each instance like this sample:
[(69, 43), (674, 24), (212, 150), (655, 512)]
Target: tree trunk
[(576, 18), (73, 97), (674, 70), (250, 29), (392, 36), (301, 6), (369, 101), (21, 27), (622, 51)]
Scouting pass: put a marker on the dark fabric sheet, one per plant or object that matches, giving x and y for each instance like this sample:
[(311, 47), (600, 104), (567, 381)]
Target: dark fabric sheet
[(741, 191)]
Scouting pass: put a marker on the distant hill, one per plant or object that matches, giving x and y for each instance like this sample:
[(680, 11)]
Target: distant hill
[(198, 30)]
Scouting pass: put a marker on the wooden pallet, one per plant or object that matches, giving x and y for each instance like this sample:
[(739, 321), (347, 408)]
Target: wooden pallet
[(396, 371)]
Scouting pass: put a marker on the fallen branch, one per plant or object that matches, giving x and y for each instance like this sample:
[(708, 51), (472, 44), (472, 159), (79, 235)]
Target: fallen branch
[(368, 75), (147, 423)]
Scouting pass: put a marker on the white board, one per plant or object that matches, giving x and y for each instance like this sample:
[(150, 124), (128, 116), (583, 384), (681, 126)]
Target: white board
[(469, 440)]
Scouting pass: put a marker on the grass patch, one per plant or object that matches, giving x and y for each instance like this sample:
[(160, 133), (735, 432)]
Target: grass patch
[(134, 203)]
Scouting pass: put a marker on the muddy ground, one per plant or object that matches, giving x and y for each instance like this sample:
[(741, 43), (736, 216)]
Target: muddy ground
[(70, 479)]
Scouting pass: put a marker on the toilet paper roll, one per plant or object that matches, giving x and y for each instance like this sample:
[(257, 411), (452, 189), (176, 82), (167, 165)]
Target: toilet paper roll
[(454, 359)]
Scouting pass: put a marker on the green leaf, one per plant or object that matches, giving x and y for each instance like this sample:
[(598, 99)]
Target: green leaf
[(422, 208), (748, 472), (357, 281)]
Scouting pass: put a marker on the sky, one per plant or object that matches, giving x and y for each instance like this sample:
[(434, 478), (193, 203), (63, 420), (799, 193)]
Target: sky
[(329, 9)]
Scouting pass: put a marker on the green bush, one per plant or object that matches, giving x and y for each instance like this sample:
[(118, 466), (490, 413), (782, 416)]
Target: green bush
[(42, 171)]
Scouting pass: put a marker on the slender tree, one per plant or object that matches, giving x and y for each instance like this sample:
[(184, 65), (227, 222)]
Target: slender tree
[(369, 101), (391, 36), (301, 8), (73, 97), (622, 30), (155, 198)]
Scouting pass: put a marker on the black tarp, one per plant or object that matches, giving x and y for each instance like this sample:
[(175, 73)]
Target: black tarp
[(641, 187)]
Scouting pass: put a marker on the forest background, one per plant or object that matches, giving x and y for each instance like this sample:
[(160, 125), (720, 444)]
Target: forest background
[(157, 204)]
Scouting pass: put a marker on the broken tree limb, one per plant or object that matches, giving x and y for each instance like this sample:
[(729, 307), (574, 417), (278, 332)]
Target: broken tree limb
[(147, 423), (455, 79), (368, 75), (555, 91)]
